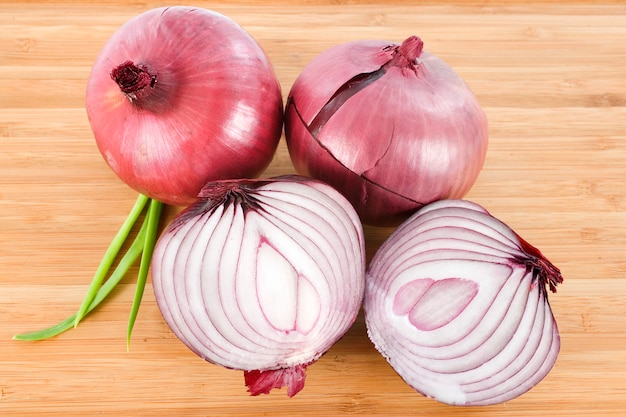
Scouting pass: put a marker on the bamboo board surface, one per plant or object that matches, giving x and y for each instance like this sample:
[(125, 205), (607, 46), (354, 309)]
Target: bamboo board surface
[(552, 80)]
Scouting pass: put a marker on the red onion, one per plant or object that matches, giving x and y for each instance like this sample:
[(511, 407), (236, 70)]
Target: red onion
[(457, 303), (262, 276), (390, 126), (180, 96)]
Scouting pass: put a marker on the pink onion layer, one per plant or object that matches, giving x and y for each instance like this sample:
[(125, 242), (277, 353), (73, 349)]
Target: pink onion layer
[(457, 304), (262, 276), (180, 96), (390, 126)]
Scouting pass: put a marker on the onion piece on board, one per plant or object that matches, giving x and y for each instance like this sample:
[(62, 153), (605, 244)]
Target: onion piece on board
[(457, 303)]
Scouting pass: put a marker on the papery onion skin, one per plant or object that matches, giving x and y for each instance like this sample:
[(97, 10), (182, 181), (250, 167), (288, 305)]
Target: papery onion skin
[(197, 100), (457, 303), (262, 276), (390, 126)]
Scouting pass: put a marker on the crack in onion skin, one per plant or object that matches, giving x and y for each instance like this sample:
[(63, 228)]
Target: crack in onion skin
[(390, 126), (180, 96), (457, 304), (262, 276)]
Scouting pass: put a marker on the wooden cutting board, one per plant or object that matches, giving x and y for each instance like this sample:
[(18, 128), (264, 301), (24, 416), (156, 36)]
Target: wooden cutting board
[(552, 80)]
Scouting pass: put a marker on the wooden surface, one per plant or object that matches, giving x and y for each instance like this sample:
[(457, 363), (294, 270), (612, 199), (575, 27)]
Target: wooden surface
[(552, 80)]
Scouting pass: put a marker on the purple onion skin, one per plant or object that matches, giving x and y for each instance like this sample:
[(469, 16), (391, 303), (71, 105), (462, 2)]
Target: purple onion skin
[(391, 127), (180, 96), (457, 303)]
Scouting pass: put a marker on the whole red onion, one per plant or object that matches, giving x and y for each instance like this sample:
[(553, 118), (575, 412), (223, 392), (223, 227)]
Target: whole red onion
[(390, 126), (180, 96)]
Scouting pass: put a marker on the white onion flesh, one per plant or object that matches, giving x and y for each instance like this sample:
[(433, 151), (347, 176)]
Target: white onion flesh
[(262, 275), (457, 303)]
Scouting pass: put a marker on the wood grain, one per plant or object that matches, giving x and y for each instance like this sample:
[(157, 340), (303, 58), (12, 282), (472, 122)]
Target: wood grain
[(552, 79)]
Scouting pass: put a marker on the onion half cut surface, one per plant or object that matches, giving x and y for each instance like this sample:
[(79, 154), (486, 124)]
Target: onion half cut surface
[(457, 303)]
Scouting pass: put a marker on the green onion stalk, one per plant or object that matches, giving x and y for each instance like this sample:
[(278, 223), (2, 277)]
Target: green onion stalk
[(104, 281)]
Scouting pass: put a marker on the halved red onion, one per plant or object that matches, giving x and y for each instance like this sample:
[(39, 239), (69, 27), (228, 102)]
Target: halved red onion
[(262, 276), (457, 303)]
